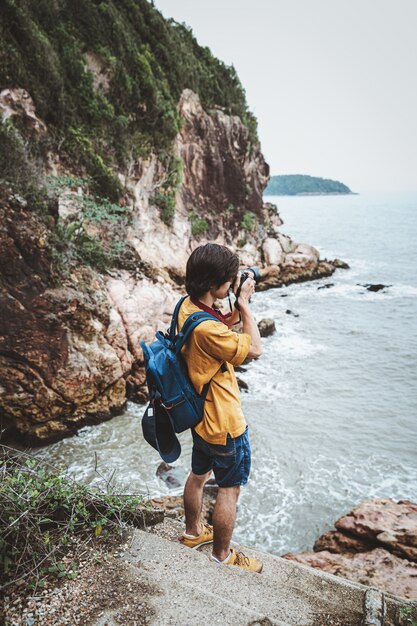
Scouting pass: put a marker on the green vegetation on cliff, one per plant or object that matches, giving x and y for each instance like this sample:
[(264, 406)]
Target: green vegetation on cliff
[(45, 515), (298, 184), (105, 77)]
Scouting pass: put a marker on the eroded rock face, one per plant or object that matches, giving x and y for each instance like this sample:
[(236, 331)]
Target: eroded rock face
[(375, 544), (222, 168), (58, 368), (18, 103)]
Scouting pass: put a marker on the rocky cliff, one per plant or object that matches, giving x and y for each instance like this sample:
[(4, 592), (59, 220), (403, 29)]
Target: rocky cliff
[(69, 340), (84, 277)]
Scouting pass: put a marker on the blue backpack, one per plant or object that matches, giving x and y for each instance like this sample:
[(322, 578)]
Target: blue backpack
[(167, 376)]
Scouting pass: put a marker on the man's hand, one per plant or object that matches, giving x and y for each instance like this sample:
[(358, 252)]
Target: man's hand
[(249, 324), (246, 291)]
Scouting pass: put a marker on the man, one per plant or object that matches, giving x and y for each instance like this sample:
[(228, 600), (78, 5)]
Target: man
[(220, 440)]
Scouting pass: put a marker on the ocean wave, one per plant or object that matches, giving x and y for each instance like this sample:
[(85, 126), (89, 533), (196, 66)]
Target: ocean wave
[(291, 513)]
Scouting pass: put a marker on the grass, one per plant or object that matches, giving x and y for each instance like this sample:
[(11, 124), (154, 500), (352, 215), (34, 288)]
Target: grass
[(46, 516)]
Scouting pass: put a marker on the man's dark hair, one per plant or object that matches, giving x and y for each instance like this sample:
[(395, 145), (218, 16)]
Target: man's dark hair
[(209, 265)]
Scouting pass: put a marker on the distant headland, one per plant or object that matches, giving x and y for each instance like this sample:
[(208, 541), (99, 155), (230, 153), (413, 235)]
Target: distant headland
[(303, 185)]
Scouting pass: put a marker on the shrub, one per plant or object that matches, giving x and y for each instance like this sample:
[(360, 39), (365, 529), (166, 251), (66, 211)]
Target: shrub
[(44, 513), (249, 221), (148, 61), (164, 199), (199, 225), (15, 166)]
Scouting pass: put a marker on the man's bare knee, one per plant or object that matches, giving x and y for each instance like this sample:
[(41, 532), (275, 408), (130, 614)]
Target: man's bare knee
[(230, 492), (200, 478)]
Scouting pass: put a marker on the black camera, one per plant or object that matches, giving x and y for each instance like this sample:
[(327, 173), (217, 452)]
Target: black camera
[(254, 271), (249, 271)]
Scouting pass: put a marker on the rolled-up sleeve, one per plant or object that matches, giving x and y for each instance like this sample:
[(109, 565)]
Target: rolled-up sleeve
[(222, 343)]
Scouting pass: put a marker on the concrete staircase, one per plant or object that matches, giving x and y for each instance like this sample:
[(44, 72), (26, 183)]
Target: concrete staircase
[(191, 590)]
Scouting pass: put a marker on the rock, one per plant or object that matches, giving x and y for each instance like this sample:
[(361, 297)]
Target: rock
[(307, 251), (173, 475), (375, 544), (339, 264), (18, 103), (266, 327), (242, 384), (377, 568), (286, 243), (249, 255), (218, 154), (174, 505), (326, 286), (272, 251), (58, 369), (295, 272), (338, 542), (375, 288), (384, 521)]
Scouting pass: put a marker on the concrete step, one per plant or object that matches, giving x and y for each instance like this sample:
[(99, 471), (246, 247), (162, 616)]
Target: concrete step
[(191, 590)]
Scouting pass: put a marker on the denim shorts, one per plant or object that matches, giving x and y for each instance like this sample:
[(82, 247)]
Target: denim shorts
[(230, 463)]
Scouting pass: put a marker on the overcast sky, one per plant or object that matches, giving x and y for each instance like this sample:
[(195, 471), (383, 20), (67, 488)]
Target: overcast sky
[(333, 83)]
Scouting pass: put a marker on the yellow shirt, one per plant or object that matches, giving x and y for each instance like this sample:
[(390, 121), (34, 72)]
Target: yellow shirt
[(210, 344)]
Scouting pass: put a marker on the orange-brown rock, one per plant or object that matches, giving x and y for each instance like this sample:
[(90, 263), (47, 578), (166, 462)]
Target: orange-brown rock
[(392, 524), (58, 370), (377, 568), (375, 544), (341, 543)]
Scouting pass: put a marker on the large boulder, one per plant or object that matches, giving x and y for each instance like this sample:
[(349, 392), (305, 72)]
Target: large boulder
[(375, 544), (272, 251), (377, 568), (384, 521)]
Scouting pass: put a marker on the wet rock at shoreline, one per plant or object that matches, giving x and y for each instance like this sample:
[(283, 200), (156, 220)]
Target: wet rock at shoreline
[(386, 522), (174, 505), (291, 272), (340, 543), (266, 327), (375, 544), (375, 288), (173, 475), (377, 568), (242, 384)]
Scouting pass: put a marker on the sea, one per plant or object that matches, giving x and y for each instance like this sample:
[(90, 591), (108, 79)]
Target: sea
[(332, 402)]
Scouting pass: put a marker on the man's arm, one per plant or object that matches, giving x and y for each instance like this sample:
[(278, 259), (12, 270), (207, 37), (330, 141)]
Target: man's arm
[(250, 326)]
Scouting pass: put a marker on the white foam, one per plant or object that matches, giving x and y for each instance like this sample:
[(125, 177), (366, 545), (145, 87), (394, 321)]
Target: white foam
[(280, 514)]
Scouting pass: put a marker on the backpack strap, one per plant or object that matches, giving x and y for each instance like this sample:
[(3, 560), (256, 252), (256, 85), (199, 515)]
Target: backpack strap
[(173, 327), (190, 323)]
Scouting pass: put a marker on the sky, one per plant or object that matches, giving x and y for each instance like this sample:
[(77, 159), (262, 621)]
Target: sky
[(333, 83)]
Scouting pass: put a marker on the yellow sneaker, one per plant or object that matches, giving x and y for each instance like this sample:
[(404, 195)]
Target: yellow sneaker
[(249, 563), (206, 536)]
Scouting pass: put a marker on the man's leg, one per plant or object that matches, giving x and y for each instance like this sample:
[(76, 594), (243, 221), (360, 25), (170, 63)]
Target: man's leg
[(224, 517), (193, 500)]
